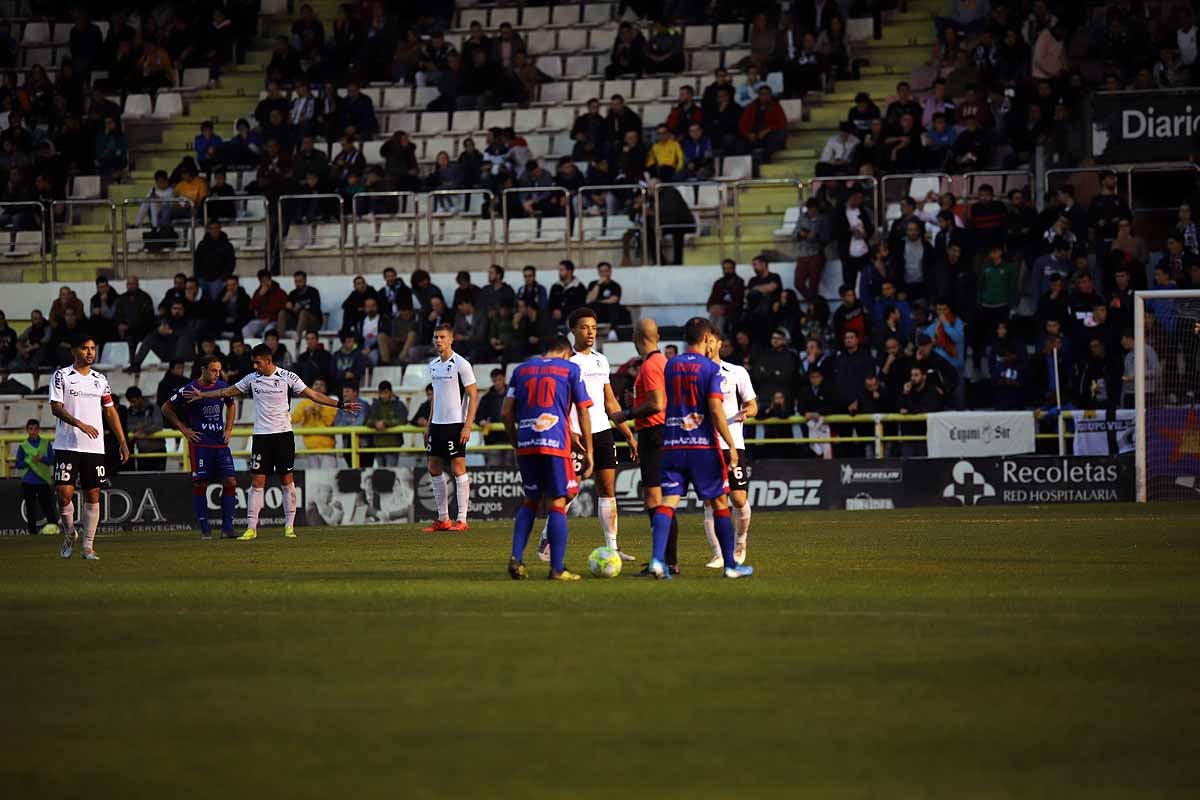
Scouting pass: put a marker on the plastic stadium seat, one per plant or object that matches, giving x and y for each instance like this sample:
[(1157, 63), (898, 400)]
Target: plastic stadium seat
[(167, 105), (497, 118), (539, 144), (396, 97), (370, 151), (85, 187), (499, 16), (535, 17), (775, 81), (403, 121), (434, 122), (647, 89), (578, 66), (731, 34), (390, 233), (424, 95), (27, 243), (195, 78), (705, 60), (618, 353), (521, 231), (326, 237), (565, 15), (552, 230), (137, 106), (790, 217), (597, 13), (572, 40), (621, 86), (436, 144), (36, 33), (528, 119), (541, 41), (582, 91), (453, 231), (551, 65), (737, 167), (860, 29), (708, 196), (559, 118), (793, 108), (656, 113), (553, 93), (697, 36), (393, 375), (483, 231), (483, 374), (462, 122), (115, 354), (416, 377)]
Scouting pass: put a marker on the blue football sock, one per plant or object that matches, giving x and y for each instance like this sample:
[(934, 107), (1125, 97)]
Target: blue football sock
[(661, 531), (200, 506), (522, 527), (723, 528), (228, 504), (556, 532)]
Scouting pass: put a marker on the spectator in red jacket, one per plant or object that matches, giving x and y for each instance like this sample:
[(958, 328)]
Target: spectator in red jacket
[(266, 303), (684, 113), (763, 124)]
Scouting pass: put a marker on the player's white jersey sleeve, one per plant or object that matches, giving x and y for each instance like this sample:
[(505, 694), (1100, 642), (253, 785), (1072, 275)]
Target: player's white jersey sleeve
[(736, 390), (84, 397), (246, 383), (449, 377), (594, 369), (294, 381)]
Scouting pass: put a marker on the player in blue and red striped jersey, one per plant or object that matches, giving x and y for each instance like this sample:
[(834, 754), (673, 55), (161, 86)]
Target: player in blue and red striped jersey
[(691, 452), (536, 412), (207, 429)]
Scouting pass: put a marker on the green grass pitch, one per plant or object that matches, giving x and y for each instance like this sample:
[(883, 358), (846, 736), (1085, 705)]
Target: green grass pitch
[(1041, 652)]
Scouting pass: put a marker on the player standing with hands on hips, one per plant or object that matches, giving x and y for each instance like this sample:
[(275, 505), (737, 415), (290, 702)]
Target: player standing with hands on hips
[(273, 449), (540, 398), (740, 402), (691, 450), (80, 399), (449, 428)]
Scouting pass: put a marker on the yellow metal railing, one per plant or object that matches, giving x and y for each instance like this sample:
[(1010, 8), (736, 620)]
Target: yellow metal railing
[(357, 448)]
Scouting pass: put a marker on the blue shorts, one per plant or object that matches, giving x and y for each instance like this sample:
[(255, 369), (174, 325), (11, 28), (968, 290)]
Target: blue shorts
[(702, 469), (547, 476), (211, 463)]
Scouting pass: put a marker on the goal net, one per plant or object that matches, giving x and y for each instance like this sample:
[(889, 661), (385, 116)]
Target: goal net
[(1167, 394)]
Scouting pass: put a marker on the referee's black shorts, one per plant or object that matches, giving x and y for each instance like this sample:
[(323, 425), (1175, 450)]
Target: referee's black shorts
[(650, 445)]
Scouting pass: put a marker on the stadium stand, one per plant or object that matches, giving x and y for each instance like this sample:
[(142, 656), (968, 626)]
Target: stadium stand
[(339, 140)]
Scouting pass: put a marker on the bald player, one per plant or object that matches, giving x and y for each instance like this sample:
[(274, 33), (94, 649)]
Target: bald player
[(649, 415)]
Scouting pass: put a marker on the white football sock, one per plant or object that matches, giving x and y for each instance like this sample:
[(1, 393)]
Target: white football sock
[(289, 505), (91, 521), (439, 496), (67, 515), (462, 493), (741, 522), (607, 508), (254, 508), (710, 530)]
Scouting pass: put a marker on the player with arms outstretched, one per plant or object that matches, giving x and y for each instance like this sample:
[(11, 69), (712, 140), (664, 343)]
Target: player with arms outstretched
[(455, 401), (691, 450), (740, 402), (595, 370), (273, 447), (80, 400), (541, 395), (207, 430)]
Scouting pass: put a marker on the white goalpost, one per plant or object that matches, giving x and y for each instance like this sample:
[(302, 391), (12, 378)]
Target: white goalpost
[(1166, 329)]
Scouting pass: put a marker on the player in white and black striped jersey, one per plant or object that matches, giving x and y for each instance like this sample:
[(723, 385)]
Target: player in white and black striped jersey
[(452, 414), (273, 449)]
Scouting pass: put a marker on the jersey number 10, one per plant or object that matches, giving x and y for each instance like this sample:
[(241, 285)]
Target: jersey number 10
[(540, 393)]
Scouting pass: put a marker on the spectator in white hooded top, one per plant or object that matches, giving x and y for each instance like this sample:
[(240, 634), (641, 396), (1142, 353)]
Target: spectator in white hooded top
[(158, 211)]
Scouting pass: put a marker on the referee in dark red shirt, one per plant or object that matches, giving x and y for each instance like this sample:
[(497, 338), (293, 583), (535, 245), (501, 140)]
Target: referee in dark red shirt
[(649, 415)]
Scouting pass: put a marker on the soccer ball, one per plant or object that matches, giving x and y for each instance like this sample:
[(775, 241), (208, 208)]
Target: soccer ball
[(50, 529), (604, 562)]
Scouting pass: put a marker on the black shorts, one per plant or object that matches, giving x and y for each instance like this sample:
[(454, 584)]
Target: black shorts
[(73, 467), (604, 452), (739, 476), (650, 442), (444, 441), (272, 453)]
